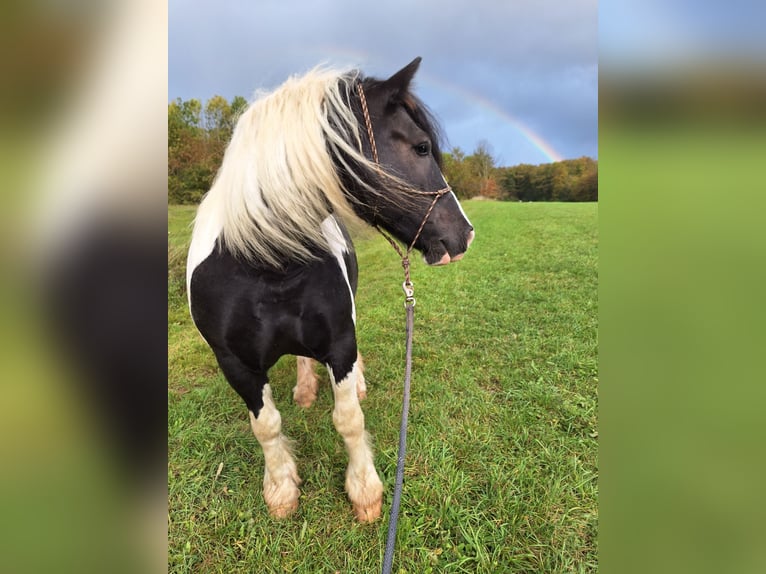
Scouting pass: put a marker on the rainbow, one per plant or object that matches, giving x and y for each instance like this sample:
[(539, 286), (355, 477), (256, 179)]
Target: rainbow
[(358, 58), (481, 101)]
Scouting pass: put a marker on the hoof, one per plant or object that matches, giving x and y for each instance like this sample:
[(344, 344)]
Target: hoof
[(370, 512), (284, 510), (304, 397), (282, 499)]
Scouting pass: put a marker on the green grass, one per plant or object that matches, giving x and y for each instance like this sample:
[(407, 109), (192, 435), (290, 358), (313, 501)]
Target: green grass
[(501, 472)]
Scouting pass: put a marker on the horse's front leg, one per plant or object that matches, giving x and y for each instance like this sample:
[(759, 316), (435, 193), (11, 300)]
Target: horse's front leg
[(362, 483), (280, 476)]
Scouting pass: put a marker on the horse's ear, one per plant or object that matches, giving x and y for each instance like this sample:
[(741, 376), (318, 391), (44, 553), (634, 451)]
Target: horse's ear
[(400, 81)]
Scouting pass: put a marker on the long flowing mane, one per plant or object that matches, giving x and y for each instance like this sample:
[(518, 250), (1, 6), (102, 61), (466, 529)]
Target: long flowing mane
[(278, 180), (279, 177)]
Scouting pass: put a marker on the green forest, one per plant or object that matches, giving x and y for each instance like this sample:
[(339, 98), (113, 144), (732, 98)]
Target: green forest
[(198, 134)]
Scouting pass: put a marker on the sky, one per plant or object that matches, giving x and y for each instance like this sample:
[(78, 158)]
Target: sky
[(519, 75)]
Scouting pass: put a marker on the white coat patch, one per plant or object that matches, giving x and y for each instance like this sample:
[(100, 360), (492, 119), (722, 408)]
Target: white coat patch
[(338, 247)]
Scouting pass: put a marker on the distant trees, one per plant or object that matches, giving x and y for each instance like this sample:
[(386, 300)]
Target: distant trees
[(568, 180), (472, 175), (477, 175), (198, 135), (197, 138)]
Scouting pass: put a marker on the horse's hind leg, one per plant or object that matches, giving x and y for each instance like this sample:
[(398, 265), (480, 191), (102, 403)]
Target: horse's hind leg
[(305, 391), (280, 476), (361, 387), (362, 483)]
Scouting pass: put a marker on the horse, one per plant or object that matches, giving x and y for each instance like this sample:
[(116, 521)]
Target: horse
[(271, 268)]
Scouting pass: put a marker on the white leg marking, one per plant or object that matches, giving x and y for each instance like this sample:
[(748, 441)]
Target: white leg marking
[(362, 483), (280, 477), (305, 391)]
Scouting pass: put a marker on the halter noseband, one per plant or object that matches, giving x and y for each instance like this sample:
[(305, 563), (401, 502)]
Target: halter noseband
[(407, 285)]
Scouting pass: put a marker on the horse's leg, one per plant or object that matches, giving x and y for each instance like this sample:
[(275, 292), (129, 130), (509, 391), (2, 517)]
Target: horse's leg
[(280, 477), (362, 483), (361, 387), (305, 391)]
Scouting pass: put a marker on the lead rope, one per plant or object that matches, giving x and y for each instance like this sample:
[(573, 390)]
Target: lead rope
[(393, 518), (409, 305)]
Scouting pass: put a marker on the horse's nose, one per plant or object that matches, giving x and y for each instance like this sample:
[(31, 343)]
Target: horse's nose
[(471, 235)]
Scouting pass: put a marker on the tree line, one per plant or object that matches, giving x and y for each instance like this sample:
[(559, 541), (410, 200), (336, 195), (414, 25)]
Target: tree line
[(198, 135), (477, 175)]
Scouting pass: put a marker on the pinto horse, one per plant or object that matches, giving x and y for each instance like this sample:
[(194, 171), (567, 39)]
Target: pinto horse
[(271, 268)]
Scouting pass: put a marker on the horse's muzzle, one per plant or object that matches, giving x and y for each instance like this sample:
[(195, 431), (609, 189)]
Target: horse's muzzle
[(447, 258)]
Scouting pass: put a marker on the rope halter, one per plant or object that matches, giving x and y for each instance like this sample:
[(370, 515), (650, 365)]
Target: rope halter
[(407, 286)]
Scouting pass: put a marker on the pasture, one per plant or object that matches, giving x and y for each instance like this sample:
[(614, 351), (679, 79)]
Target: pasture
[(501, 472)]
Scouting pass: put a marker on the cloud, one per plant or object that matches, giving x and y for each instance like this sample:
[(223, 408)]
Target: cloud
[(535, 62)]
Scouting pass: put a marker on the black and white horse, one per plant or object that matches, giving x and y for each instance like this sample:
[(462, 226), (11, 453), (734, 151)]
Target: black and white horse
[(271, 269)]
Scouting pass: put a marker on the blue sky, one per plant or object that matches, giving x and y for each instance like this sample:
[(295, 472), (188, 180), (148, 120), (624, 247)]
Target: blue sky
[(521, 75)]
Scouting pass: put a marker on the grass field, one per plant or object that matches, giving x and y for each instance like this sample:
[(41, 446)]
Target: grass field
[(501, 473)]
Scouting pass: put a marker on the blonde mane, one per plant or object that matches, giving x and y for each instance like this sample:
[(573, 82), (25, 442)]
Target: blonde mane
[(278, 180)]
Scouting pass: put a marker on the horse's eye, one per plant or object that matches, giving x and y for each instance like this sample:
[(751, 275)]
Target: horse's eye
[(423, 148)]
